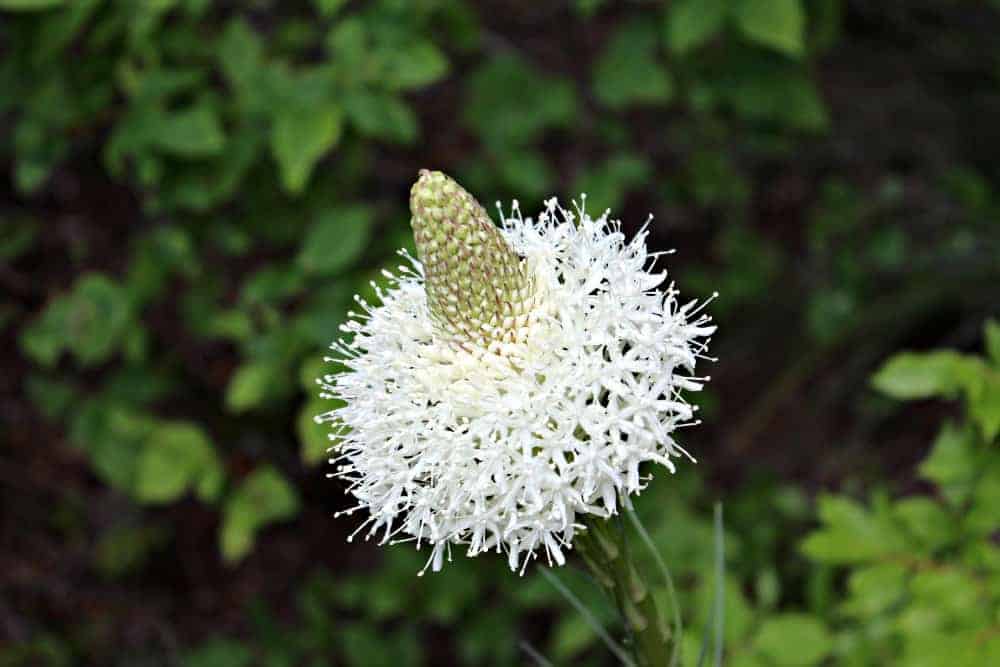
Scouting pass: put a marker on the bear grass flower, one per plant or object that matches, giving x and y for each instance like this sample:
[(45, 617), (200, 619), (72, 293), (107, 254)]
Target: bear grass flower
[(513, 381)]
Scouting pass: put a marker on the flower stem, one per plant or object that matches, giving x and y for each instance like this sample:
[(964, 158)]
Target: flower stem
[(605, 551)]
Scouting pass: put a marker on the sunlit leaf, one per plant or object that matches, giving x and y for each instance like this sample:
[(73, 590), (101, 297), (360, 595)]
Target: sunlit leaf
[(911, 376), (509, 102), (793, 640), (414, 65), (628, 71), (262, 498), (691, 23), (335, 240), (194, 132), (251, 384), (240, 53), (299, 139), (779, 24), (991, 332), (381, 116), (953, 463), (850, 534), (176, 457)]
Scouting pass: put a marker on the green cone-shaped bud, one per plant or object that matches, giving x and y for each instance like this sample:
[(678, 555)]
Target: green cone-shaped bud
[(478, 289)]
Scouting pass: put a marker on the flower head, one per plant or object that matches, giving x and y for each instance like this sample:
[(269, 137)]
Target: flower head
[(512, 380)]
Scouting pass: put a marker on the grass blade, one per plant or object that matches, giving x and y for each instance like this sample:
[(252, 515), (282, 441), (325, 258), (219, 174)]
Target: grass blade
[(589, 617), (665, 573), (720, 585), (534, 654), (718, 608)]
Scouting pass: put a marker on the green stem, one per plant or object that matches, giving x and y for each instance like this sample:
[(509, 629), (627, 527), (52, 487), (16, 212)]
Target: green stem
[(605, 551)]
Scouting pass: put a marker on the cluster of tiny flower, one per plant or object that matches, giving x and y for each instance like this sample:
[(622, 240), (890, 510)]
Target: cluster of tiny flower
[(507, 447)]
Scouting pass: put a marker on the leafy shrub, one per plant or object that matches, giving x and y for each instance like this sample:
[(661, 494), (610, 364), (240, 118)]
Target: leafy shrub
[(923, 571), (197, 189)]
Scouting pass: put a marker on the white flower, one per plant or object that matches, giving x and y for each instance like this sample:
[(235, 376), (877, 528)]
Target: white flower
[(506, 440)]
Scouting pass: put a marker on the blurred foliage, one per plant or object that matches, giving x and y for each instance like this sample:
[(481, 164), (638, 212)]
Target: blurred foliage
[(923, 572), (198, 189)]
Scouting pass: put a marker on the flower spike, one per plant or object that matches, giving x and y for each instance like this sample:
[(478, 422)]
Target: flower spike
[(517, 384), (478, 289)]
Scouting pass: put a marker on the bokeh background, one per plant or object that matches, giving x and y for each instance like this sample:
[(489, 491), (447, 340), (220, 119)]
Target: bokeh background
[(193, 190)]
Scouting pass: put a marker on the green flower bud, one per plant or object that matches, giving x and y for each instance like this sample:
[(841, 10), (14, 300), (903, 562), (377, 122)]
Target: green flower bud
[(478, 289)]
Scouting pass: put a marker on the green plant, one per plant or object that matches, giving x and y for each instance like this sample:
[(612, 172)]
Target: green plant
[(923, 571), (180, 236), (220, 129)]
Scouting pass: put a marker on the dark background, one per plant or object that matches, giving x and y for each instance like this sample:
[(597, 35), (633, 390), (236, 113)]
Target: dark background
[(193, 190)]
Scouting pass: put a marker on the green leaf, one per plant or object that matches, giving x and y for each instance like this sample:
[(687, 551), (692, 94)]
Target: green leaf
[(926, 522), (177, 457), (875, 588), (45, 338), (775, 91), (991, 332), (239, 530), (29, 5), (164, 252), (946, 595), (99, 315), (219, 653), (90, 321), (981, 516), (945, 373), (953, 463), (240, 53), (984, 402), (273, 284), (152, 86), (311, 371), (124, 549), (251, 384), (793, 639), (231, 324), (737, 612), (525, 171), (504, 120), (53, 398), (192, 133), (349, 45), (365, 645), (715, 180), (335, 240), (937, 647), (30, 174), (606, 184), (61, 29), (413, 64), (910, 376), (831, 313), (328, 7), (691, 23), (850, 534), (381, 116), (264, 497), (299, 139), (572, 635), (318, 320), (778, 24), (628, 71), (114, 438), (314, 438)]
